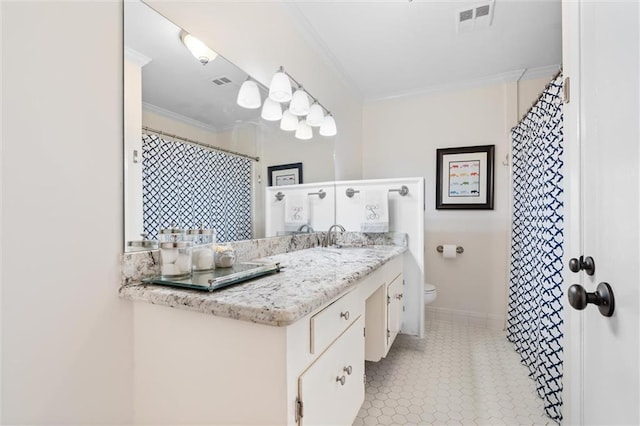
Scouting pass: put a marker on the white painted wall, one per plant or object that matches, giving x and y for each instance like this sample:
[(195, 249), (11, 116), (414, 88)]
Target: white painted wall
[(66, 336), (400, 139), (261, 36)]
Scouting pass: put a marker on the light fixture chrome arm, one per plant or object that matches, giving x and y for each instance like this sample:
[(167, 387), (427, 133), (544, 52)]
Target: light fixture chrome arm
[(281, 69)]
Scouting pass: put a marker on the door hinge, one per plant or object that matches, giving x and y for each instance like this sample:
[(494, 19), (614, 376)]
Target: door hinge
[(388, 333), (388, 300), (299, 410), (136, 156), (364, 332), (402, 308), (364, 378), (566, 90)]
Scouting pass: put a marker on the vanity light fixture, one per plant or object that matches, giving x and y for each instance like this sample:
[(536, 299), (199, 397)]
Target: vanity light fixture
[(249, 95), (271, 110), (280, 88), (280, 91), (299, 103), (289, 122), (316, 115), (304, 131), (197, 48)]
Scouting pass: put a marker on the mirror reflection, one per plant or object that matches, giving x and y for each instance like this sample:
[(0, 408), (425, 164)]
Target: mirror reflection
[(193, 156)]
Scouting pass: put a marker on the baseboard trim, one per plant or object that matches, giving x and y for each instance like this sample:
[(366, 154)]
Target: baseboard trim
[(477, 319)]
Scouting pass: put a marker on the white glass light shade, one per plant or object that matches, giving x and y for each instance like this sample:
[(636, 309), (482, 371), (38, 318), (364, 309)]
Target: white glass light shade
[(304, 131), (280, 88), (328, 127), (271, 110), (289, 121), (249, 95), (198, 49), (299, 103), (316, 115)]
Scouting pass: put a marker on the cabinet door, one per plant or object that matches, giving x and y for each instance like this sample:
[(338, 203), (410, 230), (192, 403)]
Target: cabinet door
[(394, 310), (332, 388)]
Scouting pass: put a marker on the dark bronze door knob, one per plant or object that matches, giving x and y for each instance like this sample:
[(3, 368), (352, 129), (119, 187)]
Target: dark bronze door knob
[(579, 298), (583, 264)]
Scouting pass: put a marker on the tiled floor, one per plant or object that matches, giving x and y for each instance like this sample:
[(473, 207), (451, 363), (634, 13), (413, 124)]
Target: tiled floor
[(457, 375)]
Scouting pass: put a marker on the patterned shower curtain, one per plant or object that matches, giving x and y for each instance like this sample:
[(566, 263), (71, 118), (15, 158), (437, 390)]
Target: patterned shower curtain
[(187, 186), (534, 317)]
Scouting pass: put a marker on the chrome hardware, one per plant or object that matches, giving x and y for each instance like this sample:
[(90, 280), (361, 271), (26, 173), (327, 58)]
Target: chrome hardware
[(299, 409), (344, 315), (398, 296), (403, 190), (305, 228), (459, 249), (603, 298), (350, 192), (328, 239), (136, 156), (279, 196), (320, 194), (586, 264), (341, 379), (348, 369)]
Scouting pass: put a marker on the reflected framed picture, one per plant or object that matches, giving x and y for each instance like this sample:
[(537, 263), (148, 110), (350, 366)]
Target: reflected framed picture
[(285, 174), (464, 177)]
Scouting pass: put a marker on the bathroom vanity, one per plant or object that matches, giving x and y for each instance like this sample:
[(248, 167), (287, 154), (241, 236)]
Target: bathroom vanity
[(284, 349)]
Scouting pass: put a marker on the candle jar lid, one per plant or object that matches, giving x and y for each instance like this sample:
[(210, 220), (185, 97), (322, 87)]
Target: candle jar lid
[(175, 244), (200, 231), (172, 230)]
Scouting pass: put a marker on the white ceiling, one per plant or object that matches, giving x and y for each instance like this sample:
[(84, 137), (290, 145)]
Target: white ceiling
[(381, 48), (395, 47)]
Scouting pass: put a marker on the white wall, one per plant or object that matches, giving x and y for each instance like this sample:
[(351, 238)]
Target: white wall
[(66, 336), (400, 139), (261, 36)]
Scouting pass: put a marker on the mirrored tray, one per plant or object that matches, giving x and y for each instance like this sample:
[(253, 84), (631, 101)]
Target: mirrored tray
[(219, 277)]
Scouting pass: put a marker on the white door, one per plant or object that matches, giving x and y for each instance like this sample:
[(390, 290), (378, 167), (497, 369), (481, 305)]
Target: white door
[(601, 57)]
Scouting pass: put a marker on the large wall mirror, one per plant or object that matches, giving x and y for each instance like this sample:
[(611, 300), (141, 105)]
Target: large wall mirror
[(193, 156)]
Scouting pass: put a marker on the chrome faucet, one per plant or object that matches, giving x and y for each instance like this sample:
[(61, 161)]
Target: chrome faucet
[(328, 240), (305, 228)]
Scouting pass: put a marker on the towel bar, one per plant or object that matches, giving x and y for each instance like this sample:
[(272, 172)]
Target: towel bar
[(320, 194), (403, 190)]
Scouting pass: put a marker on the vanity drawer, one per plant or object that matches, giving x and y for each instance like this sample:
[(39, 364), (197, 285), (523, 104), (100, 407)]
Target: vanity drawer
[(330, 322)]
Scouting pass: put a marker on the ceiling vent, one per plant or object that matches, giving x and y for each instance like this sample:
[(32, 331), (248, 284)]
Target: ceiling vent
[(221, 81), (474, 17)]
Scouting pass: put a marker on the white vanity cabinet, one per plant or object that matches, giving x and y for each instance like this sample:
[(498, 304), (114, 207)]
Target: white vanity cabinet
[(394, 309), (194, 368)]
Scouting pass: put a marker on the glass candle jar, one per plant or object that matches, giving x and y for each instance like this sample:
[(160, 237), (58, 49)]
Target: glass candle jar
[(175, 259), (172, 234), (204, 249)]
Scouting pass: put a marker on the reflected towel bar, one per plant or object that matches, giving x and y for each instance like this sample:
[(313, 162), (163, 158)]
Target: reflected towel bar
[(320, 194)]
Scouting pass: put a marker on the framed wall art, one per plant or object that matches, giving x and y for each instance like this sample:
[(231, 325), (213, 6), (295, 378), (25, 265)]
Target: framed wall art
[(464, 177), (285, 174)]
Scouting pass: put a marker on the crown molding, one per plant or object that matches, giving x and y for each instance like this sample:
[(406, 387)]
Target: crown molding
[(178, 117), (136, 57), (506, 77)]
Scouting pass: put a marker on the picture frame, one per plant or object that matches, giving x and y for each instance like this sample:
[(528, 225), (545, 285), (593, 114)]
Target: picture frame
[(285, 174), (465, 177)]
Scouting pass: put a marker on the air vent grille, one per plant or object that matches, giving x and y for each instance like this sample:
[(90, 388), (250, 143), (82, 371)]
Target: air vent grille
[(474, 17), (221, 81)]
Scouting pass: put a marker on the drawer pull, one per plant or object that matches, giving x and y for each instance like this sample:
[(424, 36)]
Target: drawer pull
[(341, 379), (344, 315), (348, 369)]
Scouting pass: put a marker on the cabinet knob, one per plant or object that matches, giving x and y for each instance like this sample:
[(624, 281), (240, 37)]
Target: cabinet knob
[(348, 369), (341, 379), (344, 315)]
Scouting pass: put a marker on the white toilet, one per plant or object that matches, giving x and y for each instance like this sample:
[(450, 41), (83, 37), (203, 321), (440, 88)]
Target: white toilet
[(430, 293)]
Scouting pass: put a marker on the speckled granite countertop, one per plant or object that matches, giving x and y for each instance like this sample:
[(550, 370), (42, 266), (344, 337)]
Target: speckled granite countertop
[(310, 278)]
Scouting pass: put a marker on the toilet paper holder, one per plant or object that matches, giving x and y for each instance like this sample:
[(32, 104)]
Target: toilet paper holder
[(459, 249)]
